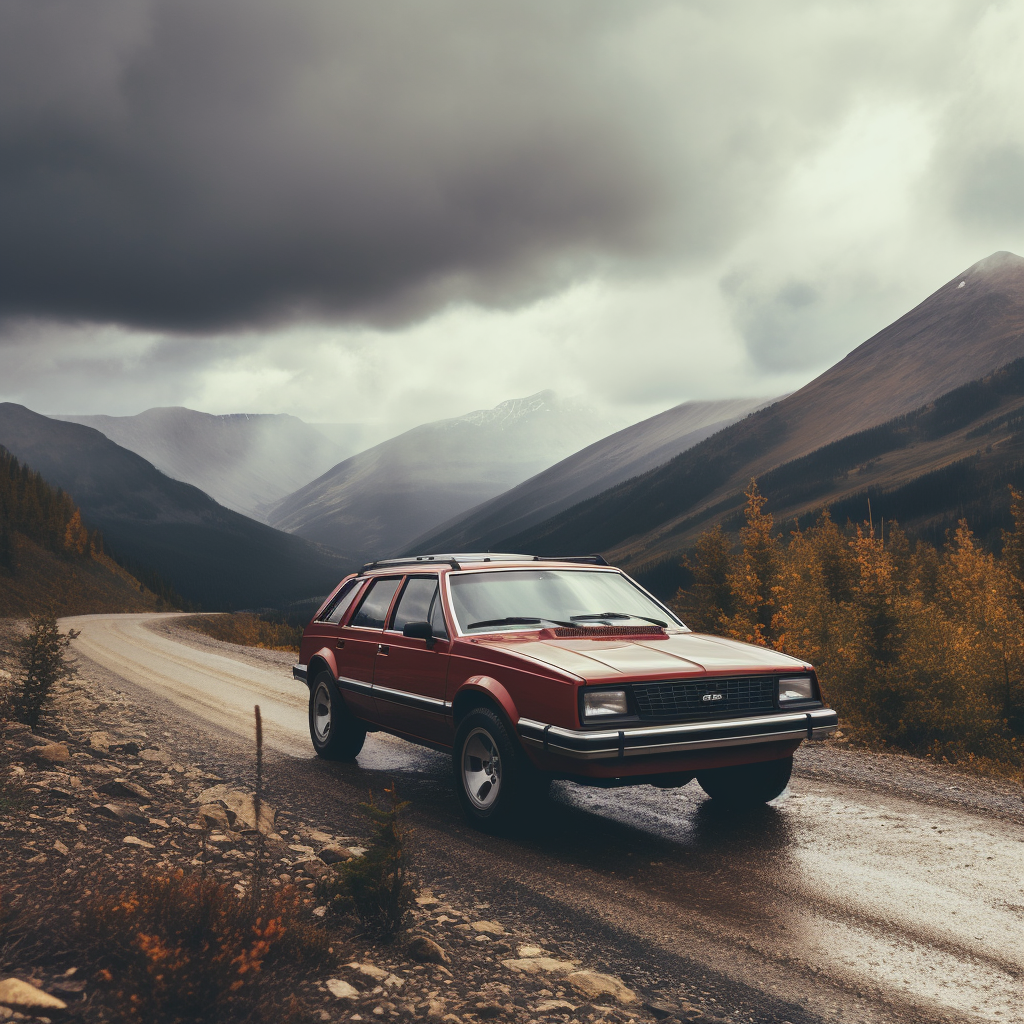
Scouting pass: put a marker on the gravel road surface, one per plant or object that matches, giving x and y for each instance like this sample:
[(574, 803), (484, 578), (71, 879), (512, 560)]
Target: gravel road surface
[(875, 889)]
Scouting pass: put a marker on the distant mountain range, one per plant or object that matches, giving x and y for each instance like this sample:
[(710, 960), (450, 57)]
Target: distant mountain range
[(970, 327), (624, 454), (375, 503), (244, 462), (208, 553)]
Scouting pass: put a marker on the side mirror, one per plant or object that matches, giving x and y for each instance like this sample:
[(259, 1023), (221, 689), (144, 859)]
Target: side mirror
[(419, 631)]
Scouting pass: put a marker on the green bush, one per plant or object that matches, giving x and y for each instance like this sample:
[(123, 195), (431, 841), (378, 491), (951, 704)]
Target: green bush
[(43, 665), (375, 887)]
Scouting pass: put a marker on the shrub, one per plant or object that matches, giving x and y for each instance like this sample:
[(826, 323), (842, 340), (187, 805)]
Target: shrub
[(43, 665), (917, 648), (182, 948), (375, 887), (247, 629)]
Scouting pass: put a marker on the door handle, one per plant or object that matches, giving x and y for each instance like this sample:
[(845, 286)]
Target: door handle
[(340, 644), (383, 649)]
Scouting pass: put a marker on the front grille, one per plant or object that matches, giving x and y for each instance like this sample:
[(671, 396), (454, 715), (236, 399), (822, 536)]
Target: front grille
[(680, 702)]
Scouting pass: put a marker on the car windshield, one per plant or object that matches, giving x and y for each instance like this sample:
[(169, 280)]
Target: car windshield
[(536, 598)]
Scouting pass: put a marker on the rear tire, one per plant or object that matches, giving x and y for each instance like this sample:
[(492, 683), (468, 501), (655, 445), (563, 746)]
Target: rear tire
[(494, 779), (336, 735), (746, 785)]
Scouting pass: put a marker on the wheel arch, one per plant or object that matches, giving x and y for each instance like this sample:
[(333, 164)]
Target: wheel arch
[(323, 659), (483, 691)]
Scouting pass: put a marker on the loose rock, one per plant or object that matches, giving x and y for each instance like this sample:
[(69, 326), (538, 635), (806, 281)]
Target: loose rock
[(341, 989), (427, 951), (20, 994), (54, 753), (594, 985)]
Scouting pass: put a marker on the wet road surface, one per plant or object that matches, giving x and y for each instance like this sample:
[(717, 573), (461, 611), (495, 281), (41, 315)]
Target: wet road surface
[(836, 902)]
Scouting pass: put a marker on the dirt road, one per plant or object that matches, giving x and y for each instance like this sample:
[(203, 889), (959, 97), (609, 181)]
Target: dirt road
[(859, 895)]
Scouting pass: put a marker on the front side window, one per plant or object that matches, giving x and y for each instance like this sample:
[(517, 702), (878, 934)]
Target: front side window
[(374, 607), (420, 602), (335, 611), (537, 598)]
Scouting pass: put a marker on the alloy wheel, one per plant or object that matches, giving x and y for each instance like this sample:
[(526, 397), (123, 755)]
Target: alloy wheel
[(481, 769)]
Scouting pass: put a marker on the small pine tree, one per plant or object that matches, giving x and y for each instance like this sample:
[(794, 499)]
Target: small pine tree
[(375, 886), (43, 665)]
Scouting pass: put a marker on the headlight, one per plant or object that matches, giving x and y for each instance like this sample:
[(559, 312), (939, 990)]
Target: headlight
[(605, 702), (792, 691)]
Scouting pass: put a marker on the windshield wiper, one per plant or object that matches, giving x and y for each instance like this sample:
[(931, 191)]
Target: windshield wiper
[(517, 620), (617, 615)]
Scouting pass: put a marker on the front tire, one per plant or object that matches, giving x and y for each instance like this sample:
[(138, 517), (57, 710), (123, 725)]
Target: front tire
[(746, 785), (336, 735), (493, 777)]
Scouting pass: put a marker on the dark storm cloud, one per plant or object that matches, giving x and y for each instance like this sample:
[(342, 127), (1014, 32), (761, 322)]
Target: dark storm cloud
[(195, 165)]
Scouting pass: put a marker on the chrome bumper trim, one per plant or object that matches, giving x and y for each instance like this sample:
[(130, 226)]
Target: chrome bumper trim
[(634, 741), (299, 672)]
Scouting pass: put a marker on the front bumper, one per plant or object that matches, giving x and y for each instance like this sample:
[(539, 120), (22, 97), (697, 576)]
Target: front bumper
[(299, 672), (639, 741)]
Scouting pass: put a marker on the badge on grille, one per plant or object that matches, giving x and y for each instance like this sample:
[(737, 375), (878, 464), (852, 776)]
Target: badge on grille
[(712, 696)]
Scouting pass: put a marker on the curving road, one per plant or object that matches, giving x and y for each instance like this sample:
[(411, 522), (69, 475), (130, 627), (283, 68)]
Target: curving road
[(843, 901)]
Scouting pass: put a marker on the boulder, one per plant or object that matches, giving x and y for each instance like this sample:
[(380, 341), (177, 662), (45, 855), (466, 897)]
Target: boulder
[(21, 995), (241, 805), (593, 985), (427, 951)]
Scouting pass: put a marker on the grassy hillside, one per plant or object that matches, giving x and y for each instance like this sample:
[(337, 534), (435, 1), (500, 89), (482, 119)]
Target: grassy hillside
[(209, 554), (44, 581), (49, 561)]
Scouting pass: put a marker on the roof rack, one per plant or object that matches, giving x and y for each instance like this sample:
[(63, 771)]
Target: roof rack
[(388, 563), (484, 556), (582, 559)]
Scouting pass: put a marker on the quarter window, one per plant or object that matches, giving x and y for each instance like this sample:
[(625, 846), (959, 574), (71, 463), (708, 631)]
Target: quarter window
[(374, 607), (335, 611)]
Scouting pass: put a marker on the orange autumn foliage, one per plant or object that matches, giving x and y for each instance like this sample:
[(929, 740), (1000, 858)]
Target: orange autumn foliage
[(917, 649)]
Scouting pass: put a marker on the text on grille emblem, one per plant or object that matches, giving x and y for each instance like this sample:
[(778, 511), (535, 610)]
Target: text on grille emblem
[(712, 696)]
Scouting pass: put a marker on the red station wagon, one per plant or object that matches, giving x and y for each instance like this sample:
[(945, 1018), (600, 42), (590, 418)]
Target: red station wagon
[(528, 669)]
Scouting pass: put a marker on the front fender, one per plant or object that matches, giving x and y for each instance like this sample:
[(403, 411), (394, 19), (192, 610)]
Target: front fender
[(485, 685)]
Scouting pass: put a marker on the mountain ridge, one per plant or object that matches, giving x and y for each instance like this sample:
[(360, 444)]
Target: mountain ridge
[(208, 553), (244, 461), (380, 499), (619, 456), (955, 335)]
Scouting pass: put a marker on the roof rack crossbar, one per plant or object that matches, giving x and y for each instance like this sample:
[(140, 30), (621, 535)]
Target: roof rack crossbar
[(389, 563), (582, 559)]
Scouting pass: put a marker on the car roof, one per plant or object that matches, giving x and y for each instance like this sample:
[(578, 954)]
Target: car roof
[(477, 560)]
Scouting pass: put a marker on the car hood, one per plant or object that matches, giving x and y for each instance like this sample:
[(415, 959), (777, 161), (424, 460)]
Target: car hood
[(673, 656)]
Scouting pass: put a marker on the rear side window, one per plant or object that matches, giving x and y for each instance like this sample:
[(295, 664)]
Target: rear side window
[(374, 607), (420, 602), (335, 611)]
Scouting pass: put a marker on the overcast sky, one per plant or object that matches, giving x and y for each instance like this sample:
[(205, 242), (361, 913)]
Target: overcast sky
[(392, 212)]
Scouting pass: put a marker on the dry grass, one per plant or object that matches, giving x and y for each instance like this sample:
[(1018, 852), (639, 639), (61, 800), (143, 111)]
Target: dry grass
[(247, 630), (44, 581), (177, 947)]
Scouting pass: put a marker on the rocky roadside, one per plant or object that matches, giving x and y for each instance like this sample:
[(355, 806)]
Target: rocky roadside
[(94, 798)]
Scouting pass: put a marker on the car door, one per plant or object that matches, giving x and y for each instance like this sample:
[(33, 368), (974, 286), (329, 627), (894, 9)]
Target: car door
[(358, 640), (410, 673)]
